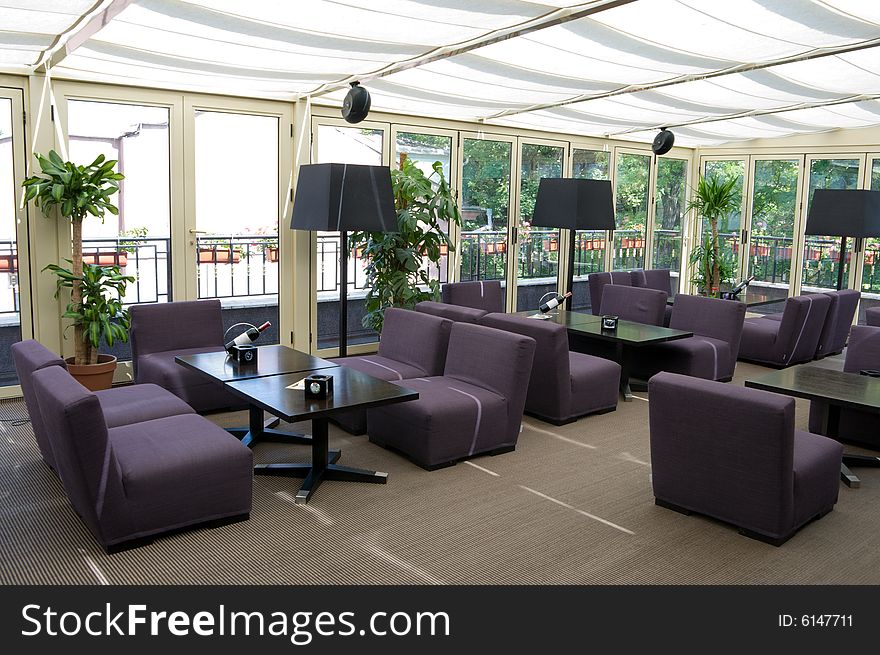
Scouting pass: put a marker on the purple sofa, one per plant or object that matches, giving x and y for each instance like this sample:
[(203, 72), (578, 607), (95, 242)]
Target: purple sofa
[(872, 316), (475, 407), (455, 313), (655, 278), (120, 405), (635, 304), (162, 331), (563, 385), (412, 345), (838, 322), (857, 427), (711, 353), (486, 295), (598, 282), (791, 339), (131, 482), (733, 453)]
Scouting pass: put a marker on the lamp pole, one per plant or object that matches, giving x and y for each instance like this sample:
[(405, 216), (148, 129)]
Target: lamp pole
[(343, 293)]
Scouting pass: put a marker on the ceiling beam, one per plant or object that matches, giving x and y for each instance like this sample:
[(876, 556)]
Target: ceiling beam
[(556, 17), (89, 24), (695, 77)]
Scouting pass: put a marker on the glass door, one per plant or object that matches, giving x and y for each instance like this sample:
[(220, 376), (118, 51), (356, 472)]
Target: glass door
[(590, 245), (14, 297), (730, 228), (486, 166), (774, 212), (632, 181), (870, 284), (537, 267), (670, 199)]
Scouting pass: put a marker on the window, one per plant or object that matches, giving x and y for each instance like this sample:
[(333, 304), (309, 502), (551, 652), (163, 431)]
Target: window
[(669, 208), (632, 180), (589, 254), (10, 305)]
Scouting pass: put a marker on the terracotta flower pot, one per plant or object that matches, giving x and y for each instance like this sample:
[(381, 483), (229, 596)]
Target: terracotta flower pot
[(94, 377)]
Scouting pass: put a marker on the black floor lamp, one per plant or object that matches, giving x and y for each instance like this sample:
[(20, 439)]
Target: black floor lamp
[(573, 204), (844, 213), (343, 197)]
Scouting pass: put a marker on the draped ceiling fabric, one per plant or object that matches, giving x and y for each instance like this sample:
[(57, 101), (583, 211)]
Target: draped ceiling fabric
[(575, 77)]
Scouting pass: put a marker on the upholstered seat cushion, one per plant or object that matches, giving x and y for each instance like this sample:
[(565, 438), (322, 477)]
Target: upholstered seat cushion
[(816, 467), (698, 356), (381, 367), (450, 420), (181, 457), (595, 383), (759, 337), (195, 389), (455, 313), (139, 402)]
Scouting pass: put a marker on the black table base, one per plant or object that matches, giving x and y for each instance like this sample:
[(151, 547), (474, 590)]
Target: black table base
[(831, 428), (322, 467), (259, 430)]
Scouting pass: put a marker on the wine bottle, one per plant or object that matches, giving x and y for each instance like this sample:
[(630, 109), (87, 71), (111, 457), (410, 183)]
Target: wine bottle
[(248, 336), (742, 285), (553, 303)]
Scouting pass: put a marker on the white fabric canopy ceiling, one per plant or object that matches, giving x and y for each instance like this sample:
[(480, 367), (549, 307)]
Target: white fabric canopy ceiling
[(707, 63)]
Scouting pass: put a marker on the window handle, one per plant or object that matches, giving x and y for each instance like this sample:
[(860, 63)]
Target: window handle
[(197, 232)]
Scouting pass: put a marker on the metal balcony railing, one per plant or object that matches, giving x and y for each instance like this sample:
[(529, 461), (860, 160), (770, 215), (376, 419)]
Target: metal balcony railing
[(231, 266)]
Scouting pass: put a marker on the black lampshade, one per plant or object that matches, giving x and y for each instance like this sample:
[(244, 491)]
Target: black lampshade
[(844, 213), (575, 204), (337, 197)]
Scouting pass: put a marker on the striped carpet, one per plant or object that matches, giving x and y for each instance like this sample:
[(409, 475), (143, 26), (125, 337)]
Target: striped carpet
[(572, 504)]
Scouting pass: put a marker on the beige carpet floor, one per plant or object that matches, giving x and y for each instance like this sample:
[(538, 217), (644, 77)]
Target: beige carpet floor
[(572, 505)]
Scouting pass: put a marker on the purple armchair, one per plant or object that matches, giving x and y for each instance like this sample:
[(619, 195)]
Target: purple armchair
[(563, 385), (838, 322), (455, 313), (132, 482), (635, 304), (711, 353), (598, 282), (790, 340), (856, 427), (120, 405), (732, 453), (475, 407), (162, 331), (872, 316), (412, 345), (655, 278), (486, 295)]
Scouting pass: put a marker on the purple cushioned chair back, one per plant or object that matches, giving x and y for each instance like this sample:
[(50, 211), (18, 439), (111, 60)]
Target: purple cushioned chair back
[(710, 317), (31, 356), (415, 338), (863, 351), (727, 449), (455, 313), (635, 304), (550, 383), (800, 328), (486, 295), (495, 360), (838, 321), (653, 278), (84, 458), (598, 281), (164, 327), (872, 316)]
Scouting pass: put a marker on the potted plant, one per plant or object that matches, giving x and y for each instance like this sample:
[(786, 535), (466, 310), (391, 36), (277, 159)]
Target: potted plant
[(95, 291), (394, 268), (713, 199)]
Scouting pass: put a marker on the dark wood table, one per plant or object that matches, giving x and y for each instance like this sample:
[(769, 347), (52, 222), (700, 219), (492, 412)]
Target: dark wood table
[(351, 390), (832, 390), (271, 360), (561, 317), (626, 339), (751, 298)]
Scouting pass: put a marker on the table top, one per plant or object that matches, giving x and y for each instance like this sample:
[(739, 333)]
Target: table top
[(751, 298), (627, 332), (351, 389), (818, 383), (271, 360), (561, 317)]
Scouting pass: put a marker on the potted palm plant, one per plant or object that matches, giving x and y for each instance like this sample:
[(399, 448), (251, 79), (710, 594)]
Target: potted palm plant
[(713, 199), (96, 292), (395, 261)]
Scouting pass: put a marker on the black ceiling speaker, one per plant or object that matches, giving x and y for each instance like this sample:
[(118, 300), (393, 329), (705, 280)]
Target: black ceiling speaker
[(356, 105), (663, 142)]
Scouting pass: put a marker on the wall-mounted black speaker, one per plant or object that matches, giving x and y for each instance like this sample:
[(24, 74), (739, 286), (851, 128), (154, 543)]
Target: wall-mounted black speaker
[(356, 105), (663, 142)]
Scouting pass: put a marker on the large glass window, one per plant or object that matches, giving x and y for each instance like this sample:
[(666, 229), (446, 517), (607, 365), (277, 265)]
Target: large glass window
[(871, 268), (670, 201), (730, 226), (424, 150), (344, 145), (237, 226), (774, 208), (538, 246), (632, 182), (589, 254), (485, 207), (139, 238), (10, 320)]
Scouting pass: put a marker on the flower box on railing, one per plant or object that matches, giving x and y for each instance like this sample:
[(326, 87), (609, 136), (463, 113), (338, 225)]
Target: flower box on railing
[(218, 255), (272, 255), (550, 245), (8, 263), (107, 258), (494, 248), (760, 251)]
